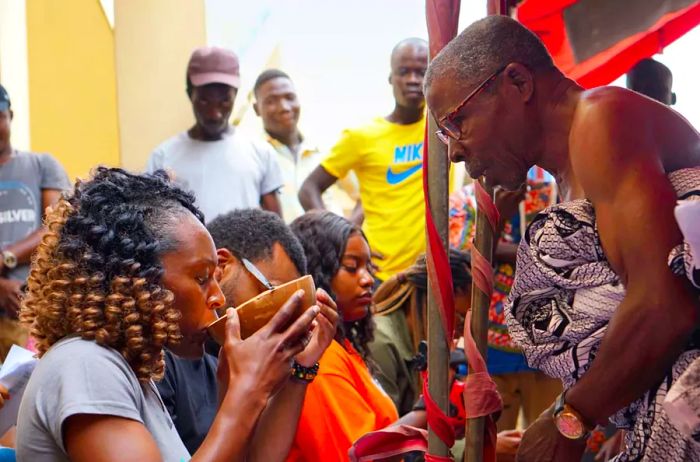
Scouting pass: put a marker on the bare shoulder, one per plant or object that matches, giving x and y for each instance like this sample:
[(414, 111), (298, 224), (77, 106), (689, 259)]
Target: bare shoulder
[(611, 132), (613, 126), (610, 112)]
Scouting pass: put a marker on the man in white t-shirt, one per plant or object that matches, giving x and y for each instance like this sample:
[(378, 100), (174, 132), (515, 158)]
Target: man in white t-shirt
[(277, 105), (224, 169)]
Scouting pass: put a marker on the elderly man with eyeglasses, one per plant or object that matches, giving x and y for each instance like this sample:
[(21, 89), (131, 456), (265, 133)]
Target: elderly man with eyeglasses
[(595, 302)]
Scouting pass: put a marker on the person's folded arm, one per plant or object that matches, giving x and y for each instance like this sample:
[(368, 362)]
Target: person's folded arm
[(313, 187)]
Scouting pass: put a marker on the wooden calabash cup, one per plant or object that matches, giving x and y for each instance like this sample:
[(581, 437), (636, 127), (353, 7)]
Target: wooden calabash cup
[(258, 311)]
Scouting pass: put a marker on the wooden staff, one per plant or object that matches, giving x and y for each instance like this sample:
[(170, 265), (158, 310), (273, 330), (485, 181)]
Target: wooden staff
[(438, 351), (480, 302)]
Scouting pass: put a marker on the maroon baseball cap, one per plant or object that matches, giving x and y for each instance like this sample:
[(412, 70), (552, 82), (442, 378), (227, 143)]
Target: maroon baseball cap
[(214, 65)]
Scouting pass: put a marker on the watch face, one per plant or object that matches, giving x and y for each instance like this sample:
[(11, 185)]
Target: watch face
[(570, 426), (10, 260)]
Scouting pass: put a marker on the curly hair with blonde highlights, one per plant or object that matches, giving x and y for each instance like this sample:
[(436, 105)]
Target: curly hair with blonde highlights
[(97, 272)]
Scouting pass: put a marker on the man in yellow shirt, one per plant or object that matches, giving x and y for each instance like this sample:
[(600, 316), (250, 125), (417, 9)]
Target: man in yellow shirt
[(386, 155)]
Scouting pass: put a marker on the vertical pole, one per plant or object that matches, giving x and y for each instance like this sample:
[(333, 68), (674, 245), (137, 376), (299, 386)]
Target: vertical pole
[(442, 17), (438, 351), (480, 301), (483, 242)]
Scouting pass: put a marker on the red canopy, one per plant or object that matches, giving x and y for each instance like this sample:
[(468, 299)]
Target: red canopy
[(596, 41)]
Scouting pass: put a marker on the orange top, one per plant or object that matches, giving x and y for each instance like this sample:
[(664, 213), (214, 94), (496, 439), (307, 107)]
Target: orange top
[(342, 404)]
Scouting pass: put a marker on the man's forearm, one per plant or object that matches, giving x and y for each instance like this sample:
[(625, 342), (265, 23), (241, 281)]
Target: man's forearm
[(277, 428), (358, 214), (310, 197), (23, 249), (642, 342), (271, 203), (506, 252), (417, 419)]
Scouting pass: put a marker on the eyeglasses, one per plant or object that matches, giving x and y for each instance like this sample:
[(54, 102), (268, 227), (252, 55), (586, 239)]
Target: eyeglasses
[(255, 272), (260, 279), (448, 128)]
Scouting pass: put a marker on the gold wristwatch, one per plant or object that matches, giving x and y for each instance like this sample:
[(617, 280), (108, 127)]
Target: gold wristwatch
[(9, 259), (569, 422)]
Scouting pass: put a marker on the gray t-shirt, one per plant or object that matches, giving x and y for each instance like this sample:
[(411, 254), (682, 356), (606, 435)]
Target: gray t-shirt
[(224, 175), (22, 178), (78, 376)]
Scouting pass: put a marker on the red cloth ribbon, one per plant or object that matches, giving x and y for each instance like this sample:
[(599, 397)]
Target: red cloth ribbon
[(391, 441), (482, 271), (442, 17), (442, 424), (437, 260), (485, 204), (481, 398), (431, 458)]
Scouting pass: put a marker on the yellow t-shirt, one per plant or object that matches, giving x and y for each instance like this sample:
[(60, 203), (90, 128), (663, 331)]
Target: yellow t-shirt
[(387, 159)]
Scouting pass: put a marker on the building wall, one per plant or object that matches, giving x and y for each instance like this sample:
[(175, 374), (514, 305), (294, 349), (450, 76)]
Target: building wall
[(72, 83), (153, 42)]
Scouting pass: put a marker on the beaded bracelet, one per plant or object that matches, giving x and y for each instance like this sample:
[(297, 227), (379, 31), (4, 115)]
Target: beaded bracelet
[(304, 374)]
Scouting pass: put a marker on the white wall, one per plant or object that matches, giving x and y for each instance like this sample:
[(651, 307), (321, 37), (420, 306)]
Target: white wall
[(337, 52)]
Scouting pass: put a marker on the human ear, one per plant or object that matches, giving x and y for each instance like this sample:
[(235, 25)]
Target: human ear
[(226, 261), (521, 79)]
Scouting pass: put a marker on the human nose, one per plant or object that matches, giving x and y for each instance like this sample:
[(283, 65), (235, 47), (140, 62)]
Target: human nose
[(366, 278), (285, 105), (455, 151), (215, 297), (214, 112), (414, 78)]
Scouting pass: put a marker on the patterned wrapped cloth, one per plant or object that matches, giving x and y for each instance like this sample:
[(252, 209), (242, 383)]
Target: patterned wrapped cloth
[(682, 403), (564, 295)]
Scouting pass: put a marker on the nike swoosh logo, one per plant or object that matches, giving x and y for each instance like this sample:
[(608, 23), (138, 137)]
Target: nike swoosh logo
[(396, 178)]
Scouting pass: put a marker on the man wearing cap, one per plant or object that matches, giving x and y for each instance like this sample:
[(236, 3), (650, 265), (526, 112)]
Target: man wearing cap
[(224, 169), (29, 183)]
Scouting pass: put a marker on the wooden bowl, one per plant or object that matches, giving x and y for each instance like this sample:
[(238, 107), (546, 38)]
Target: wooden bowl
[(258, 311)]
